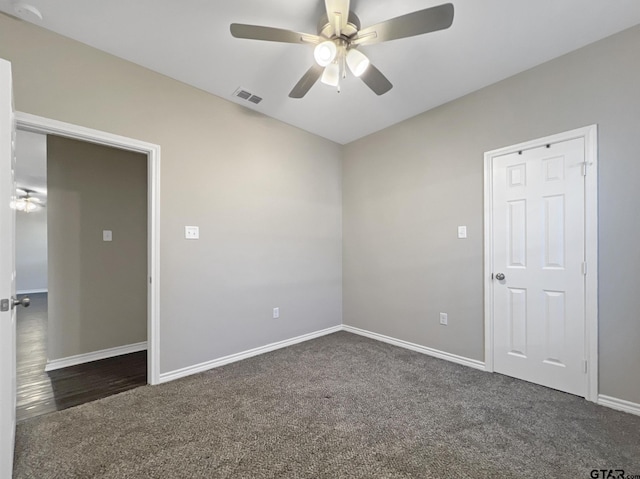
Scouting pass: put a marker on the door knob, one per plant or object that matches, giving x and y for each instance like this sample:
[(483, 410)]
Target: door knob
[(20, 302), (500, 276)]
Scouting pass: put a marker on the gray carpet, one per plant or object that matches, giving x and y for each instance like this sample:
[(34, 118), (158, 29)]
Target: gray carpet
[(341, 406)]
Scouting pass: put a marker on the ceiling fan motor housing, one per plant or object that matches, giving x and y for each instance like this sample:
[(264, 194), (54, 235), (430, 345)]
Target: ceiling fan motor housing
[(326, 30), (339, 44)]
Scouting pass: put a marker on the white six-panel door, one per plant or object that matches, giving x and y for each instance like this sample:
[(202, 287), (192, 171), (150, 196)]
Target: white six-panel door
[(539, 247), (7, 275)]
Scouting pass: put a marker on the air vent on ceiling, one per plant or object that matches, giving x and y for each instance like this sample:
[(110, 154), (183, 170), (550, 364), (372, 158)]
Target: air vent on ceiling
[(246, 95)]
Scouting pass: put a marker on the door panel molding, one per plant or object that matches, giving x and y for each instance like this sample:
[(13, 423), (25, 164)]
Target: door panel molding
[(38, 124), (590, 136)]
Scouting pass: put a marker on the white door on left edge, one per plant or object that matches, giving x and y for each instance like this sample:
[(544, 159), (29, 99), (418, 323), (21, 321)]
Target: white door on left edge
[(7, 275), (539, 247)]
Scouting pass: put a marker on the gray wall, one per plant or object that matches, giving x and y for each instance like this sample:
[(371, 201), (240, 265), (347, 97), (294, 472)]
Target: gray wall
[(407, 188), (267, 196), (97, 289), (31, 251)]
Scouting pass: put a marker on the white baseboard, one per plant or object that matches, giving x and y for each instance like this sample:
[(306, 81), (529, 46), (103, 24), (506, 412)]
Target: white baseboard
[(619, 404), (32, 291), (608, 401), (472, 363), (232, 358), (94, 356)]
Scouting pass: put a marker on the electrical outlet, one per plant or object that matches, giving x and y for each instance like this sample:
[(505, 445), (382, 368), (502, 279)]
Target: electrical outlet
[(444, 318), (276, 313), (192, 232)]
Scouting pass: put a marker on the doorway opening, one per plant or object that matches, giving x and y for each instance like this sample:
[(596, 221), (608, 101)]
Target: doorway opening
[(85, 335), (81, 370)]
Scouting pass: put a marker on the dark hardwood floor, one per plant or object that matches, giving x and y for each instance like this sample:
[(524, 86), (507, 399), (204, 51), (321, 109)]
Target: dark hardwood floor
[(39, 392)]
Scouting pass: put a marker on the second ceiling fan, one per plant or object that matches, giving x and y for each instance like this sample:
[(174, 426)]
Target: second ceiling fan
[(339, 36)]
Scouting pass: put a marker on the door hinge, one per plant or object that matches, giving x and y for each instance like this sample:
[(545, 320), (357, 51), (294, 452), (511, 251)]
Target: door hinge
[(584, 268), (584, 169), (585, 366)]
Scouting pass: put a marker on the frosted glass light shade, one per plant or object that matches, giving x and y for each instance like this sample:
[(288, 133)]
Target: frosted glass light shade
[(26, 204), (325, 53), (21, 204), (357, 61), (331, 75)]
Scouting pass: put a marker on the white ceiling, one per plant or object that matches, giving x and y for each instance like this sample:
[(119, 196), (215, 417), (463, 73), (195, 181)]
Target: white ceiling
[(190, 41)]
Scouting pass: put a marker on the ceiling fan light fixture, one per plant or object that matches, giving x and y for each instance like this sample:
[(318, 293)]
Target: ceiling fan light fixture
[(339, 33), (30, 207), (21, 204), (331, 75), (325, 53), (25, 202), (357, 62)]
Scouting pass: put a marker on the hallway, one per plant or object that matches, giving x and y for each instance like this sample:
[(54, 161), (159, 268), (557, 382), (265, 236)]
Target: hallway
[(39, 392)]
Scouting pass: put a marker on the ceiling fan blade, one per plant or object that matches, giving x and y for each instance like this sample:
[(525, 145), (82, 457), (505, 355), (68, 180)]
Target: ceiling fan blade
[(338, 14), (270, 34), (409, 25), (376, 80), (306, 82)]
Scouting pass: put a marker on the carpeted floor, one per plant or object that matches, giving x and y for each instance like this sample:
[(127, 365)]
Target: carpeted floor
[(341, 406)]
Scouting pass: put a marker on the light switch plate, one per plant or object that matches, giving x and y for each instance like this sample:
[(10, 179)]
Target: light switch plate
[(276, 313), (462, 232), (191, 232), (107, 235), (444, 318)]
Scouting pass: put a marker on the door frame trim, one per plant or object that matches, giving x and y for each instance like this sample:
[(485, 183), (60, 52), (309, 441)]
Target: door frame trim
[(38, 124), (590, 136)]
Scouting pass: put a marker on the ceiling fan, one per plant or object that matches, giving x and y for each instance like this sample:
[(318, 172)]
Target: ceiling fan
[(26, 201), (339, 36)]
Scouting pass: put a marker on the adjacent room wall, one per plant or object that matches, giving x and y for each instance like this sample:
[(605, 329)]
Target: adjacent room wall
[(97, 289), (407, 188), (31, 228), (266, 196), (31, 251)]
